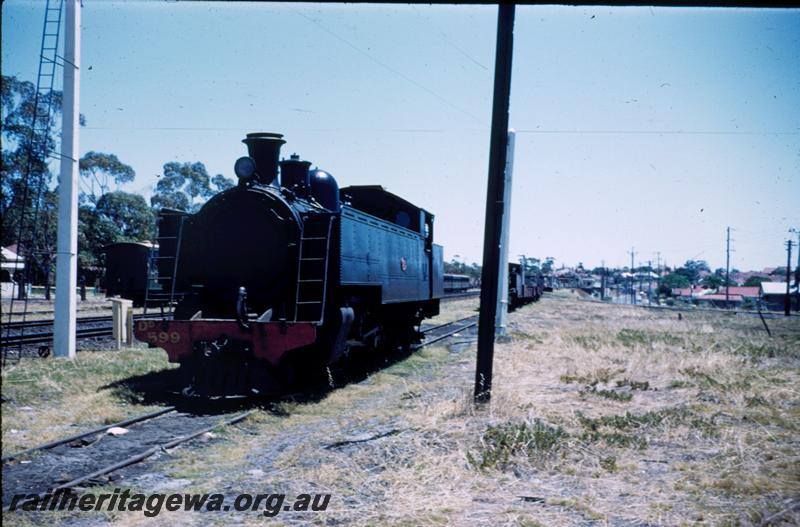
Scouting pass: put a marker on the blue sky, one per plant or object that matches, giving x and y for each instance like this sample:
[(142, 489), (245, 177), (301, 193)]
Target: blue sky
[(647, 127)]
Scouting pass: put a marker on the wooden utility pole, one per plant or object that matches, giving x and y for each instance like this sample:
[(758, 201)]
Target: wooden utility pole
[(658, 277), (727, 267), (787, 302), (67, 244), (797, 270), (494, 201), (633, 284), (603, 280)]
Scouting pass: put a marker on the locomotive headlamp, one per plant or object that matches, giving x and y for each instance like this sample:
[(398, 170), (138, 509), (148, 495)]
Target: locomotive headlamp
[(245, 167)]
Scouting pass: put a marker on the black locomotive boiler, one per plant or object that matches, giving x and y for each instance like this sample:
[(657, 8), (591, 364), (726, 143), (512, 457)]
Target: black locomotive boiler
[(277, 278)]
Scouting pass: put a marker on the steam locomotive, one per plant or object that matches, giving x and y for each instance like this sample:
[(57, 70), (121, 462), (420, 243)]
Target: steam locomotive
[(523, 288), (278, 278)]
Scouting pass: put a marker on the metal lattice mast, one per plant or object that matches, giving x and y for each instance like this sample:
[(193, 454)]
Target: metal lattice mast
[(38, 149)]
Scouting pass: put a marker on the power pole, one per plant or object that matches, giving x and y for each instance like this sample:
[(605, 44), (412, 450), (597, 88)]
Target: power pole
[(727, 267), (495, 192), (641, 278), (603, 280), (632, 283), (658, 277), (649, 281), (67, 245), (797, 270), (787, 302)]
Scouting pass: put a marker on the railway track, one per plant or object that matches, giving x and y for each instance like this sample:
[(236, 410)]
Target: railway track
[(456, 296), (16, 333), (31, 324), (59, 465), (154, 432), (448, 329)]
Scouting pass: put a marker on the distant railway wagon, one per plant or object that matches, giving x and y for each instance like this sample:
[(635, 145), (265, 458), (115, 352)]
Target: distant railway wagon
[(126, 270), (523, 288), (456, 283)]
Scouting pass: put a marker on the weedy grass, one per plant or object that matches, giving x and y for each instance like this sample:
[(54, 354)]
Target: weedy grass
[(608, 394), (599, 376), (634, 385), (47, 398), (534, 440)]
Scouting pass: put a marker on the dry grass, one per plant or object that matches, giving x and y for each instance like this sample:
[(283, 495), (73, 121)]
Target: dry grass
[(46, 399), (704, 429)]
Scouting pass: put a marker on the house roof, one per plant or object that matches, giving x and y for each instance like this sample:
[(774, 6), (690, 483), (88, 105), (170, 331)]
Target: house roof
[(776, 288), (11, 260), (721, 297), (749, 291), (686, 291)]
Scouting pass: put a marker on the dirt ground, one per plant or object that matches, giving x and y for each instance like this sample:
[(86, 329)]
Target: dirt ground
[(600, 415)]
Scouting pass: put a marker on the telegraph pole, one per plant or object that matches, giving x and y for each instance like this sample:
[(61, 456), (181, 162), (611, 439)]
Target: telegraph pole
[(797, 269), (649, 281), (787, 302), (67, 245), (641, 278), (603, 280), (727, 267), (633, 288), (658, 277), (495, 192)]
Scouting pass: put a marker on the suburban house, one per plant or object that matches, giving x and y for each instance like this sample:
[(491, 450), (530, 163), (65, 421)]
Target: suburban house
[(773, 295), (11, 264)]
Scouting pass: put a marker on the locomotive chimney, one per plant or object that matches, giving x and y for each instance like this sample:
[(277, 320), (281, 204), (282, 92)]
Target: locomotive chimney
[(294, 174), (265, 149)]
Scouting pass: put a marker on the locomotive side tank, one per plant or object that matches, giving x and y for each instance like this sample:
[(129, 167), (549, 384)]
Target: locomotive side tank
[(278, 279)]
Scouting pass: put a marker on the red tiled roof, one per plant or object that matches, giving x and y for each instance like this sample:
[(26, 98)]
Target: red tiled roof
[(751, 292)]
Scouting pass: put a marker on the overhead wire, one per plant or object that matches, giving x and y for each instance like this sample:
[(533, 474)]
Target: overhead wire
[(388, 67)]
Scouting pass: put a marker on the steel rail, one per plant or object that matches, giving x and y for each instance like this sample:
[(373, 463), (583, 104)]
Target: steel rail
[(456, 296), (150, 451), (45, 337), (136, 458), (17, 325), (70, 439), (448, 334), (428, 330)]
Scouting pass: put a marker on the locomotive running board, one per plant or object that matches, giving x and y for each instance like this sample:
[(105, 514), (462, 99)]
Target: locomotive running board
[(266, 340)]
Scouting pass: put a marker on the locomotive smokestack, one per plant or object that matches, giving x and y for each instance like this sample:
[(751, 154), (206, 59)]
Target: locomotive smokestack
[(265, 149)]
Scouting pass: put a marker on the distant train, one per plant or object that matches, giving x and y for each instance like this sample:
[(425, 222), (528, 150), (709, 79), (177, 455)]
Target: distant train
[(523, 288), (456, 283)]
